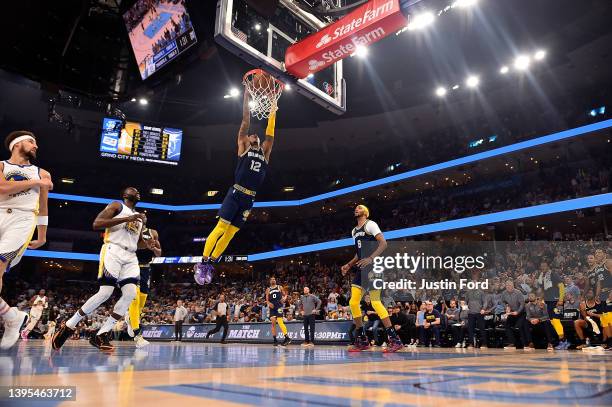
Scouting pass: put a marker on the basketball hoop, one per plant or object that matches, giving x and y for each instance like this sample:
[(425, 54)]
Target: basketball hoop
[(264, 91)]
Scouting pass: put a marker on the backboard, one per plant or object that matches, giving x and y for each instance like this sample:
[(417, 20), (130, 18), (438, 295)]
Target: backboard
[(262, 42)]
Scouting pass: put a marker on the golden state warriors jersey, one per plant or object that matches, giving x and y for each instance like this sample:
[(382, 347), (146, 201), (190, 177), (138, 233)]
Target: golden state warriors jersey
[(125, 235), (26, 200)]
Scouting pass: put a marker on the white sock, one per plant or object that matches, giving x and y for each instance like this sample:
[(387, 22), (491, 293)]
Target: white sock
[(74, 320), (107, 326)]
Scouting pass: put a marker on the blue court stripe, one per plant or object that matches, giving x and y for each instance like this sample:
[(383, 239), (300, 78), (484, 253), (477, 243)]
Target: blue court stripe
[(538, 141), (512, 214)]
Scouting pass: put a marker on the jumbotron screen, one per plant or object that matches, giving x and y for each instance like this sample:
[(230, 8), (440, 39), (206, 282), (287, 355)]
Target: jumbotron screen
[(159, 31), (140, 142)]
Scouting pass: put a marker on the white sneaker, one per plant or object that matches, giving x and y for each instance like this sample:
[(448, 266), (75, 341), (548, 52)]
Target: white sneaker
[(130, 331), (458, 345), (140, 342), (11, 329)]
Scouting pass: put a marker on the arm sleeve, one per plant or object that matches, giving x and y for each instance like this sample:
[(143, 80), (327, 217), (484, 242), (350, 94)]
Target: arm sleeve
[(372, 228)]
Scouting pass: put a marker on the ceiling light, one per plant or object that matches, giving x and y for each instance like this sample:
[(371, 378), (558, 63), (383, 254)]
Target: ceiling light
[(539, 55), (234, 92), (67, 180), (472, 81), (440, 92), (504, 70), (361, 51), (522, 62), (258, 26), (212, 193), (287, 87), (132, 99), (156, 191), (288, 189), (421, 21), (143, 101), (464, 3), (455, 87)]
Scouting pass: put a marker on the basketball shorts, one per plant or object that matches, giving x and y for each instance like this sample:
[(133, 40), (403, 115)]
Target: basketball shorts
[(16, 230), (118, 266), (145, 278), (363, 277), (236, 207), (606, 319), (277, 311)]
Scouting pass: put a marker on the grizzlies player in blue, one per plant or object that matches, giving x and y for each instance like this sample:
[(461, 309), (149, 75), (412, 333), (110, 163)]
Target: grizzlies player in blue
[(276, 297), (253, 158), (367, 234)]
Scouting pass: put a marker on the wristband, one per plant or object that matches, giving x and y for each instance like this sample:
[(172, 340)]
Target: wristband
[(43, 220)]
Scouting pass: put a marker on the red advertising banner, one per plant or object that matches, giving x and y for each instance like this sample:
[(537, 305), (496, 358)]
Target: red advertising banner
[(365, 25)]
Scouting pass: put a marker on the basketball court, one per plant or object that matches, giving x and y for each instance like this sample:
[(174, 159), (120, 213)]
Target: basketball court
[(171, 374)]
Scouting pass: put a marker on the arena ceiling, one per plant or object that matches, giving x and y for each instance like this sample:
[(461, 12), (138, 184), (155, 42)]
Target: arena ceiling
[(78, 45)]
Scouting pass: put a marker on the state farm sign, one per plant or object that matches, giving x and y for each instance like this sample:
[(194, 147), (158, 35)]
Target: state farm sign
[(365, 25)]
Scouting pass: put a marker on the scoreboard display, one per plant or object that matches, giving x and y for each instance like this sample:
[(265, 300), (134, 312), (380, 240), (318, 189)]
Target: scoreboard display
[(140, 142)]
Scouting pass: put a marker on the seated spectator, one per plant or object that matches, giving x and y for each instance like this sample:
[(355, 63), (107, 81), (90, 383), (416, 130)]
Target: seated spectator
[(399, 320), (588, 325), (373, 320), (431, 325), (538, 321), (454, 322)]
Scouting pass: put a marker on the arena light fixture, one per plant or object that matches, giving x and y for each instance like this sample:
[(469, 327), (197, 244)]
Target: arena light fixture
[(156, 191), (67, 180), (504, 70), (421, 21), (464, 3), (211, 193), (440, 91), (143, 101), (539, 55), (522, 62), (257, 27), (132, 99), (287, 87), (455, 87), (472, 81), (288, 189), (361, 51), (234, 92)]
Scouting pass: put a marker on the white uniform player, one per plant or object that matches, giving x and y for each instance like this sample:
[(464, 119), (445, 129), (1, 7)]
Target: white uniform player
[(118, 267), (23, 205), (118, 261), (39, 303)]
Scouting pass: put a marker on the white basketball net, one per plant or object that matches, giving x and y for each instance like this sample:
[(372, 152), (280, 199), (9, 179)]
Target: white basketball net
[(264, 93)]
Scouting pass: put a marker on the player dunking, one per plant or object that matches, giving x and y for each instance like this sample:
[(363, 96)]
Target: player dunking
[(145, 256), (118, 267), (367, 231), (24, 191), (276, 297), (253, 159)]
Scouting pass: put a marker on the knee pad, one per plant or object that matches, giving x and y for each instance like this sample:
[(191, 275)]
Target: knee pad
[(99, 298), (355, 301), (378, 305), (128, 293)]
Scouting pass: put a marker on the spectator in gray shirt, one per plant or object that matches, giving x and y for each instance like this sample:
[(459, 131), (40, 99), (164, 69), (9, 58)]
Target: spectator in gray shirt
[(538, 320), (478, 304), (515, 315), (180, 313), (310, 305)]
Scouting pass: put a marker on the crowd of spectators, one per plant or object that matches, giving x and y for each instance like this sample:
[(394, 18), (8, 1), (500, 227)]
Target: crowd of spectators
[(545, 283)]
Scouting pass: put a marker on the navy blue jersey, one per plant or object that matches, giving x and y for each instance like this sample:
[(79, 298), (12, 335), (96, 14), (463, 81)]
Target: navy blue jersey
[(276, 296), (364, 237), (251, 169)]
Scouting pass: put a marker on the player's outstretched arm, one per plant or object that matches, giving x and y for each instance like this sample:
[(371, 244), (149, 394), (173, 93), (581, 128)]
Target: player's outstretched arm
[(269, 141), (243, 133), (43, 214)]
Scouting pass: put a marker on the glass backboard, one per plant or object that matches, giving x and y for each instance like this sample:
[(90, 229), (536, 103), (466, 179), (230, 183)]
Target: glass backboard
[(263, 42)]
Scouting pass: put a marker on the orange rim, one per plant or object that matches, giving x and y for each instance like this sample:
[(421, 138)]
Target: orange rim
[(261, 71)]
